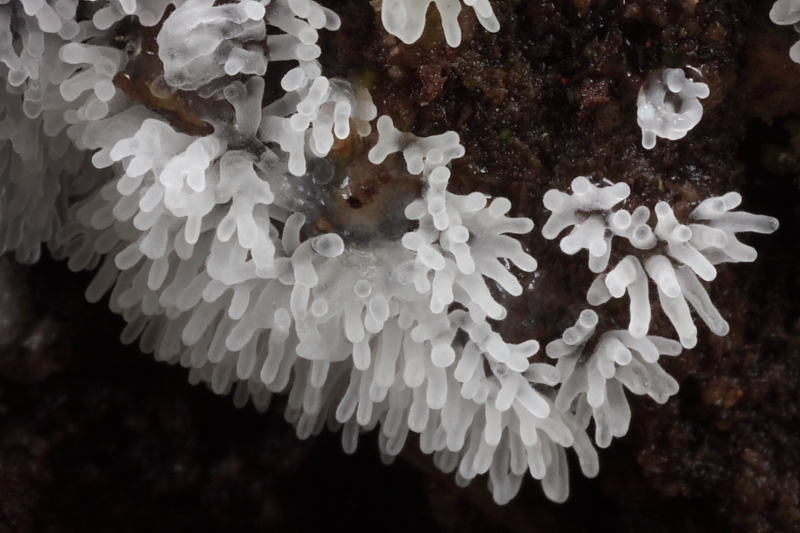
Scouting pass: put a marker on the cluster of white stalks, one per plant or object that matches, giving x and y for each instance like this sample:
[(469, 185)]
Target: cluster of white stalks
[(787, 13), (201, 214)]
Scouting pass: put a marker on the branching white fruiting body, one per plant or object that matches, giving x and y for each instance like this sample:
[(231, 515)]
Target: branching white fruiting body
[(668, 105), (674, 254), (208, 247), (787, 12), (406, 18), (594, 383)]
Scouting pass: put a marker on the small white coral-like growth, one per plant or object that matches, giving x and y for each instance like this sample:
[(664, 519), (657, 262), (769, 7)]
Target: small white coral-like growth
[(36, 21), (91, 84), (677, 253), (668, 105), (420, 154), (592, 383), (406, 18), (200, 42), (203, 46), (472, 236), (147, 12), (30, 53), (37, 175), (469, 235), (786, 12), (715, 233), (316, 110), (48, 19), (594, 223), (40, 169)]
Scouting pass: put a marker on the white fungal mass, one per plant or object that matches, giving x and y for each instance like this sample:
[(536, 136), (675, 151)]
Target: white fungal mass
[(787, 12), (669, 106), (219, 250)]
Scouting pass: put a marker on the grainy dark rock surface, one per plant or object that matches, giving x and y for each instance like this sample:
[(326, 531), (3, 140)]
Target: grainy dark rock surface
[(96, 437)]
